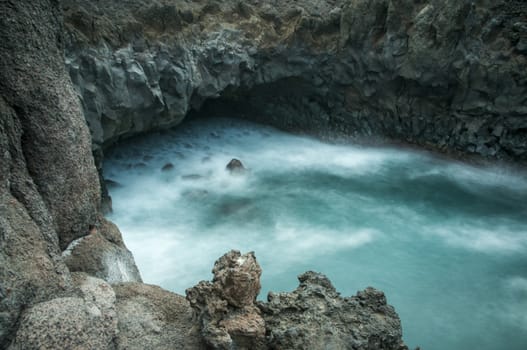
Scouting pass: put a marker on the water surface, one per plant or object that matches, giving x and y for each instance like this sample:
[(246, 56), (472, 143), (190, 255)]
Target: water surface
[(447, 242)]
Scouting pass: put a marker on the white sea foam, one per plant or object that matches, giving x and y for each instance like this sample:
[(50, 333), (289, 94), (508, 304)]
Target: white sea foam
[(496, 240)]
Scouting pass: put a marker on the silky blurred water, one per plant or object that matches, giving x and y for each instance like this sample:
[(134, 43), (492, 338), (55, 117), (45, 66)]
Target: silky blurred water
[(445, 241)]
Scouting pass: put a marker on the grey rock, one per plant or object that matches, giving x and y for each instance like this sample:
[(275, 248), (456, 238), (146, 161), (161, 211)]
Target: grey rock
[(49, 189), (226, 308), (367, 70), (102, 254), (57, 150), (153, 318), (315, 314), (88, 321), (28, 272)]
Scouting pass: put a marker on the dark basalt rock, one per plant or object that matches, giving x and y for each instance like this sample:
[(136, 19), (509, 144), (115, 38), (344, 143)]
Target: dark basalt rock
[(448, 75), (235, 166), (167, 167)]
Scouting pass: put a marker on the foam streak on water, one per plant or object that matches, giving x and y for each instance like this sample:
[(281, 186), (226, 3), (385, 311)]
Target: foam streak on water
[(447, 242)]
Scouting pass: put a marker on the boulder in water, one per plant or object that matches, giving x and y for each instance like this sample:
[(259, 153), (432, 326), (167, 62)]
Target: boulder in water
[(235, 166), (167, 167)]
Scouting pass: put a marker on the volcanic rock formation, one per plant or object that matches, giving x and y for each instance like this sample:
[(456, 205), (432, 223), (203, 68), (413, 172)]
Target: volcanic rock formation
[(227, 308), (49, 188), (448, 75), (314, 316)]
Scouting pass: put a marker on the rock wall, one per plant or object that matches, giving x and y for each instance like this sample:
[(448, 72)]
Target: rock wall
[(49, 188), (444, 74)]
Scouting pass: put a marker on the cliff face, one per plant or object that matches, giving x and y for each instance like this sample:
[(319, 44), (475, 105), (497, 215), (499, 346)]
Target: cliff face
[(443, 74), (49, 188), (49, 192)]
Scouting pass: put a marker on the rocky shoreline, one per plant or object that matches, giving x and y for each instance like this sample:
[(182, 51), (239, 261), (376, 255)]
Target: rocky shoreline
[(441, 74)]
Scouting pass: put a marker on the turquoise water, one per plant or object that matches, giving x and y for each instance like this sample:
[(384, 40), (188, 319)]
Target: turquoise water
[(447, 242)]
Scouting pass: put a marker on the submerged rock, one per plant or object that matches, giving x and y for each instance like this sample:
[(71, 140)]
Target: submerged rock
[(192, 177), (167, 167)]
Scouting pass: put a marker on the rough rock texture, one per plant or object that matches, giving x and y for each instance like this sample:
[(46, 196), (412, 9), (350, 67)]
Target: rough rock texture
[(102, 254), (54, 140), (87, 321), (49, 191), (445, 74), (226, 306), (315, 314), (153, 318)]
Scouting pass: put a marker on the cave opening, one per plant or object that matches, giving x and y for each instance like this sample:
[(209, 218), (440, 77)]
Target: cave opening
[(290, 104)]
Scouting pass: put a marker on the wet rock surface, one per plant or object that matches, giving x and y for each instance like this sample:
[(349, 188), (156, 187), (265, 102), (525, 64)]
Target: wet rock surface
[(445, 74)]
